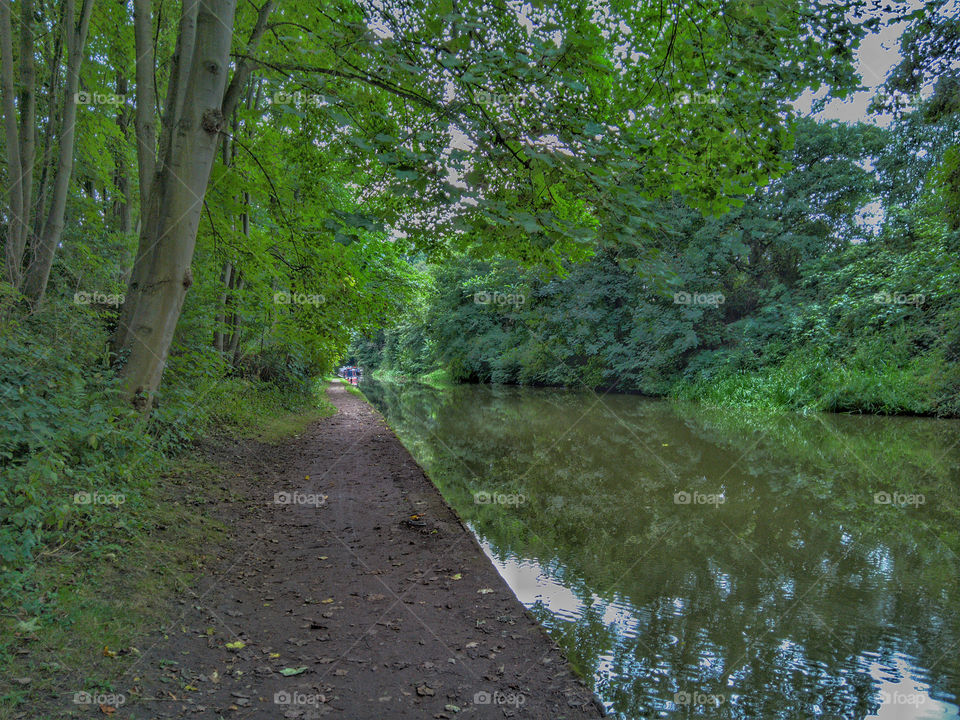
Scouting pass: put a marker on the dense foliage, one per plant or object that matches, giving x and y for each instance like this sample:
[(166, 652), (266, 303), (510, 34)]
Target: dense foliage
[(795, 299)]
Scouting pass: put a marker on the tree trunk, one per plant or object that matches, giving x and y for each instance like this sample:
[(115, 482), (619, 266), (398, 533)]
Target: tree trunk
[(28, 114), (145, 125), (227, 278), (16, 232), (234, 347), (147, 158), (177, 192), (39, 271), (124, 205), (45, 156)]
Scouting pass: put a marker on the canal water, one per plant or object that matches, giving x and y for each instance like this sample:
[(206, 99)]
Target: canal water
[(705, 563)]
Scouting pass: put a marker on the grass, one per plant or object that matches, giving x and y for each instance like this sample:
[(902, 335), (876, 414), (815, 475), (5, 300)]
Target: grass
[(808, 381), (83, 606), (73, 620), (439, 378), (270, 415)]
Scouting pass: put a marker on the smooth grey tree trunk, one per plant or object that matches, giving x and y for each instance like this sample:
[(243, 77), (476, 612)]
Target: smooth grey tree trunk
[(150, 167), (177, 193)]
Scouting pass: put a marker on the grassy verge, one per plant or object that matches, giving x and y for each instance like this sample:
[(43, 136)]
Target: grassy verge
[(809, 381), (71, 618), (271, 417)]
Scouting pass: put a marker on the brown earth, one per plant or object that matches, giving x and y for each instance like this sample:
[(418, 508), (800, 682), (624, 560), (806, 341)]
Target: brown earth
[(377, 597)]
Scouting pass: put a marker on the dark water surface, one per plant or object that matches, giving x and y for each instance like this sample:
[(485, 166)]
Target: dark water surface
[(705, 563)]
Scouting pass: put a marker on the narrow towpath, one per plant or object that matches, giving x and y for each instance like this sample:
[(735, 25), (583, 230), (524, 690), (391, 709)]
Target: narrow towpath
[(366, 591)]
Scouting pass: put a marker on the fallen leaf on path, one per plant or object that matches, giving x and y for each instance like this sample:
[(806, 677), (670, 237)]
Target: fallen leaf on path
[(484, 591), (107, 652), (107, 709), (456, 577), (424, 690), (238, 645), (327, 601), (287, 672)]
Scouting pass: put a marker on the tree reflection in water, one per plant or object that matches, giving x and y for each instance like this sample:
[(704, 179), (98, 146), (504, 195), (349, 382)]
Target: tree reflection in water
[(701, 563)]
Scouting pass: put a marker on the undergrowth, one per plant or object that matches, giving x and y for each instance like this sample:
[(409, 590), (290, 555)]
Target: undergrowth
[(101, 507)]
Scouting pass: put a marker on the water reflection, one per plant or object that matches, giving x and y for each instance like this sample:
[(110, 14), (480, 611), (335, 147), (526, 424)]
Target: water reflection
[(712, 564)]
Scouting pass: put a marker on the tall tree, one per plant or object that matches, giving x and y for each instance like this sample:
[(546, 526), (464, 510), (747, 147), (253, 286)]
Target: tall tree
[(198, 101), (20, 143)]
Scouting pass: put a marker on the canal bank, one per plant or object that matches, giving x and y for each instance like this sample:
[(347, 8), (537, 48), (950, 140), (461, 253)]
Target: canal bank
[(354, 591)]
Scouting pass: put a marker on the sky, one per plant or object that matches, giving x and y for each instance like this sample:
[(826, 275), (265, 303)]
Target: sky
[(879, 52)]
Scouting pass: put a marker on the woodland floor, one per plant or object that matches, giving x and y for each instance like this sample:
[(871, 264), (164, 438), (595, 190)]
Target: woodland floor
[(379, 599)]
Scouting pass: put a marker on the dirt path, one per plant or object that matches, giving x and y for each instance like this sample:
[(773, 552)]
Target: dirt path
[(376, 596)]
